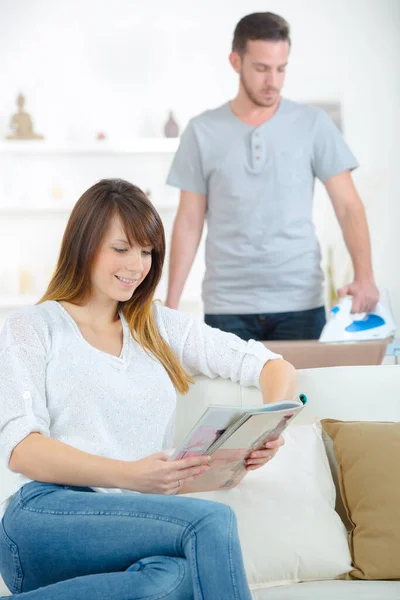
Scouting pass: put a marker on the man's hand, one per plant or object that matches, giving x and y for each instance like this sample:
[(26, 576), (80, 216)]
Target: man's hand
[(365, 295)]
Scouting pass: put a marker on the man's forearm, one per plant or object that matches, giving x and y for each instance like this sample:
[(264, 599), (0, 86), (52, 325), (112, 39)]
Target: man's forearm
[(354, 226), (184, 244)]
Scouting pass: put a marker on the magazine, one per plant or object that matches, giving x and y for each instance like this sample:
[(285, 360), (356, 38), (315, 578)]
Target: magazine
[(230, 434)]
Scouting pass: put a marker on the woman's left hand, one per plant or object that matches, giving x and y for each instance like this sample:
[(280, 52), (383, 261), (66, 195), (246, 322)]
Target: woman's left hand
[(258, 458)]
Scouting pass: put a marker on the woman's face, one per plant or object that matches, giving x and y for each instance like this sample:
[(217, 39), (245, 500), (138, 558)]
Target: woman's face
[(119, 268)]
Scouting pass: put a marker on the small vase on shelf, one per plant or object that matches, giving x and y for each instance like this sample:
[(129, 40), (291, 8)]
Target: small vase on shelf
[(171, 128)]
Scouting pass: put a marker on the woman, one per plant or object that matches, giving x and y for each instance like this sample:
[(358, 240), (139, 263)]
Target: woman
[(88, 381)]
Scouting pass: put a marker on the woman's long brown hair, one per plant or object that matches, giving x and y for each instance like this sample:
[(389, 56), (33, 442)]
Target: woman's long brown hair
[(85, 231)]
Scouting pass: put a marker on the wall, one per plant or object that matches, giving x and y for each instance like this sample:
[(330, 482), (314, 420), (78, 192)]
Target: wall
[(119, 66)]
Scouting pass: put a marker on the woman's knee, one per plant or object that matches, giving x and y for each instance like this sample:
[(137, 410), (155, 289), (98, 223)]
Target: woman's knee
[(218, 519), (167, 575)]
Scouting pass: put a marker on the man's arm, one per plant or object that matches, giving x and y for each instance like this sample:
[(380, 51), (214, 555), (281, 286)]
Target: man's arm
[(352, 219), (186, 235)]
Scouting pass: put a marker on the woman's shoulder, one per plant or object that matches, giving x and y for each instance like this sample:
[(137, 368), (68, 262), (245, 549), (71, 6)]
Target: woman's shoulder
[(172, 322), (28, 320), (166, 315)]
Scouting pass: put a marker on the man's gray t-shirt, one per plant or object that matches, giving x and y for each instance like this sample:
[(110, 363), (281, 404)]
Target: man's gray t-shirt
[(262, 253)]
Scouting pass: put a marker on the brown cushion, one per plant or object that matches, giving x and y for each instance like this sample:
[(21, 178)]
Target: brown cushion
[(368, 455)]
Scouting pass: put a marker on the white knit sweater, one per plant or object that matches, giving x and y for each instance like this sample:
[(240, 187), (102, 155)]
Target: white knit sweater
[(54, 382)]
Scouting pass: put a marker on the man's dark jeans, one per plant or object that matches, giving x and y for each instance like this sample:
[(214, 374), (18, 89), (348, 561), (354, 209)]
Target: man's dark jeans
[(297, 325)]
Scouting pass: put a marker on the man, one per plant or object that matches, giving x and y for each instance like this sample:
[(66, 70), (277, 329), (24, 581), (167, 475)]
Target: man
[(249, 167)]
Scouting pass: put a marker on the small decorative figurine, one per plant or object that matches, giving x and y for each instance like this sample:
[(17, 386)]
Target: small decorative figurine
[(21, 124)]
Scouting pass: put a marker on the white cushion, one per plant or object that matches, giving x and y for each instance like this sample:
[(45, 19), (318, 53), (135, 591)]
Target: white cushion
[(4, 591), (288, 526)]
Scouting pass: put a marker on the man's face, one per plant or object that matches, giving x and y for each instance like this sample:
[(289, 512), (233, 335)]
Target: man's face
[(262, 70)]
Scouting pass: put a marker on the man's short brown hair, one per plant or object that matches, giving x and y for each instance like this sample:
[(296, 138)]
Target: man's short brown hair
[(265, 26)]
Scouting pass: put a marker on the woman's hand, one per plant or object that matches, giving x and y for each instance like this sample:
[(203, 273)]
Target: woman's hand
[(259, 458), (156, 474)]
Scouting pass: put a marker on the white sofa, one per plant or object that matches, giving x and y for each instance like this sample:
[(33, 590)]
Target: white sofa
[(366, 393), (370, 393)]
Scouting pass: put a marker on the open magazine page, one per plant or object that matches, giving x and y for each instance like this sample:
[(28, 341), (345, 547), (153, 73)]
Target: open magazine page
[(214, 422), (219, 422), (228, 461), (273, 407)]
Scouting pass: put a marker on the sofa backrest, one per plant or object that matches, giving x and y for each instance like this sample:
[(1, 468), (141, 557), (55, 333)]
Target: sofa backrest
[(351, 393)]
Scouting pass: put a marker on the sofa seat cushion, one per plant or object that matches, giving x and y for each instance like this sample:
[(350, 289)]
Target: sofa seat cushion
[(332, 590)]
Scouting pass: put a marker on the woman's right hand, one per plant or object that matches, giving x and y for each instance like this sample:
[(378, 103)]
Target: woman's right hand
[(156, 474)]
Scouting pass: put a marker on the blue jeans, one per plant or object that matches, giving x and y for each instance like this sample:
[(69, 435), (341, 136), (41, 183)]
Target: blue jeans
[(71, 543), (297, 325)]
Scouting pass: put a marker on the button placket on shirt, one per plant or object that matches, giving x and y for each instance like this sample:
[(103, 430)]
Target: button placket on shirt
[(257, 151)]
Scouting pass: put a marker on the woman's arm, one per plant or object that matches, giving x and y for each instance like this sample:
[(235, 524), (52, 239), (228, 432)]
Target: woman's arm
[(42, 458), (211, 352), (278, 381)]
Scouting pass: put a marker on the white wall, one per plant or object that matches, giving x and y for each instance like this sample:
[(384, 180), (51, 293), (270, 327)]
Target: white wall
[(119, 66)]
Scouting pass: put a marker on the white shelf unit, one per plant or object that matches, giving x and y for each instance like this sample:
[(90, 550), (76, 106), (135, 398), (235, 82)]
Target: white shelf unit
[(40, 213), (189, 304), (11, 302), (23, 213), (103, 147), (13, 150)]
